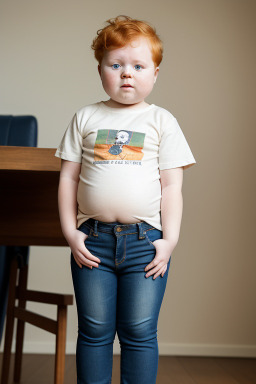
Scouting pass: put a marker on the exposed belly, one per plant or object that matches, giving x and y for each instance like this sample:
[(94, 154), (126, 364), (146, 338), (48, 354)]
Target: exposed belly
[(120, 218), (125, 199)]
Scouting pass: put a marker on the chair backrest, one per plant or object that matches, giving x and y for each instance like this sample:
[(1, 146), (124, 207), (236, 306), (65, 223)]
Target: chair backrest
[(20, 131)]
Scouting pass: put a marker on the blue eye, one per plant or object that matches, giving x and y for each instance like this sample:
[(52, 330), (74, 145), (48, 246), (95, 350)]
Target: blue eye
[(116, 66), (138, 67)]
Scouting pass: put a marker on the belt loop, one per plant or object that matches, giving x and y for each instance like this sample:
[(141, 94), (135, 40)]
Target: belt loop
[(141, 231), (95, 233)]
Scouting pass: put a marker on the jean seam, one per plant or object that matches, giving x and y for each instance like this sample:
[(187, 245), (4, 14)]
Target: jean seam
[(150, 242), (123, 258), (119, 234), (131, 233), (89, 234)]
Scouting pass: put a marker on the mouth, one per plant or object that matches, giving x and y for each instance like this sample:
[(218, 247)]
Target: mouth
[(126, 86)]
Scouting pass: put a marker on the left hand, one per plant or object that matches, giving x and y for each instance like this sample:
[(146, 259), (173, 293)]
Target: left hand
[(160, 261)]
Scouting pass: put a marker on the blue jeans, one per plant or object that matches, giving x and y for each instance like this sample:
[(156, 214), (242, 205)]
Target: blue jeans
[(117, 297)]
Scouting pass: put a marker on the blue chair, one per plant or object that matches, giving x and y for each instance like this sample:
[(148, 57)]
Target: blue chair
[(22, 131)]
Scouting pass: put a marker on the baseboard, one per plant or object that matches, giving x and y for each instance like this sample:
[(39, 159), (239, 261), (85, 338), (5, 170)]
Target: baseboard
[(165, 349)]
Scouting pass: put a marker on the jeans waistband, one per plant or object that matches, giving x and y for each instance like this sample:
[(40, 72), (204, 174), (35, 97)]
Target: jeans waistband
[(117, 227)]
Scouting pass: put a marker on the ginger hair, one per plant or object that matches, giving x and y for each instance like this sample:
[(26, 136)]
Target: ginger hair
[(121, 31)]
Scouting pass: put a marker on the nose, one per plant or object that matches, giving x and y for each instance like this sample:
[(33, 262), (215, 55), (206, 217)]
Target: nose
[(126, 73)]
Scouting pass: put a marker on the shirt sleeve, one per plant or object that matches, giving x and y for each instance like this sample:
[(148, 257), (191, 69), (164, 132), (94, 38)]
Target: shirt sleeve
[(70, 147), (174, 150)]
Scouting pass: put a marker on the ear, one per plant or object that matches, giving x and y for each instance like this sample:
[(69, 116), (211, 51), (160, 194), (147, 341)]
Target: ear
[(99, 70), (156, 73)]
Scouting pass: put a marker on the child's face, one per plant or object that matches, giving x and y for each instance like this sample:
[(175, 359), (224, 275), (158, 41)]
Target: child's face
[(128, 74)]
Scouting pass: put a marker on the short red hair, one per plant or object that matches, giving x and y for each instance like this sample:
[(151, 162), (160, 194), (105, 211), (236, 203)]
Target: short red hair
[(121, 31)]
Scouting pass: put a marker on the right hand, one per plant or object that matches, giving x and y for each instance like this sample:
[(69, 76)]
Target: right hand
[(81, 254)]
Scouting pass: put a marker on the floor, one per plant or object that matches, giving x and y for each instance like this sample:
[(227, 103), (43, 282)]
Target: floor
[(39, 369)]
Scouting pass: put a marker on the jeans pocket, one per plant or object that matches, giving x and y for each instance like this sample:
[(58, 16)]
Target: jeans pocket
[(86, 230), (152, 235)]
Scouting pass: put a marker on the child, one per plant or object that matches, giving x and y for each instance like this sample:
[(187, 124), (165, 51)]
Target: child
[(120, 205)]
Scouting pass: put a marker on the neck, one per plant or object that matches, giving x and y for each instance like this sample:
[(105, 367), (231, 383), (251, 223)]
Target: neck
[(114, 104)]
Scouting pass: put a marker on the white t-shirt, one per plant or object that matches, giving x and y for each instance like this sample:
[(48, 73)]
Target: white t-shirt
[(121, 152)]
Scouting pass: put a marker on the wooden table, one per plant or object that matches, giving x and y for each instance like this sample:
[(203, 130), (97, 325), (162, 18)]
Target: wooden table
[(29, 180)]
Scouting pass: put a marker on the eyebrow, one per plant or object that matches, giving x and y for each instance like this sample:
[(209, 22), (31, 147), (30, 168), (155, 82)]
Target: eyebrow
[(135, 61)]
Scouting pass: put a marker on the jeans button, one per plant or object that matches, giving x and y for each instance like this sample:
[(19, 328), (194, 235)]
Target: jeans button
[(119, 229)]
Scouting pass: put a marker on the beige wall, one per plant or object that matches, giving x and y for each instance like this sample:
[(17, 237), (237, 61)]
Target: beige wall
[(207, 80)]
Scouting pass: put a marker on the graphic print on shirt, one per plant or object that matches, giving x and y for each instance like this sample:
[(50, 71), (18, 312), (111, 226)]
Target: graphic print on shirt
[(118, 146)]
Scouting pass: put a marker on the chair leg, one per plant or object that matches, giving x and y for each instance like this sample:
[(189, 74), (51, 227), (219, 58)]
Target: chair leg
[(9, 322), (23, 278), (60, 345)]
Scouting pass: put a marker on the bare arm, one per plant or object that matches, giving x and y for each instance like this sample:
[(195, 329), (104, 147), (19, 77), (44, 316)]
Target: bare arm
[(67, 201), (171, 204), (171, 214), (69, 178)]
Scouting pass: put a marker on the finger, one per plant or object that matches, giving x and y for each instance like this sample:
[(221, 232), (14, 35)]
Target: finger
[(90, 256), (158, 273), (164, 272), (165, 269), (150, 265), (82, 263), (85, 259), (154, 270), (81, 260), (77, 261), (156, 261)]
